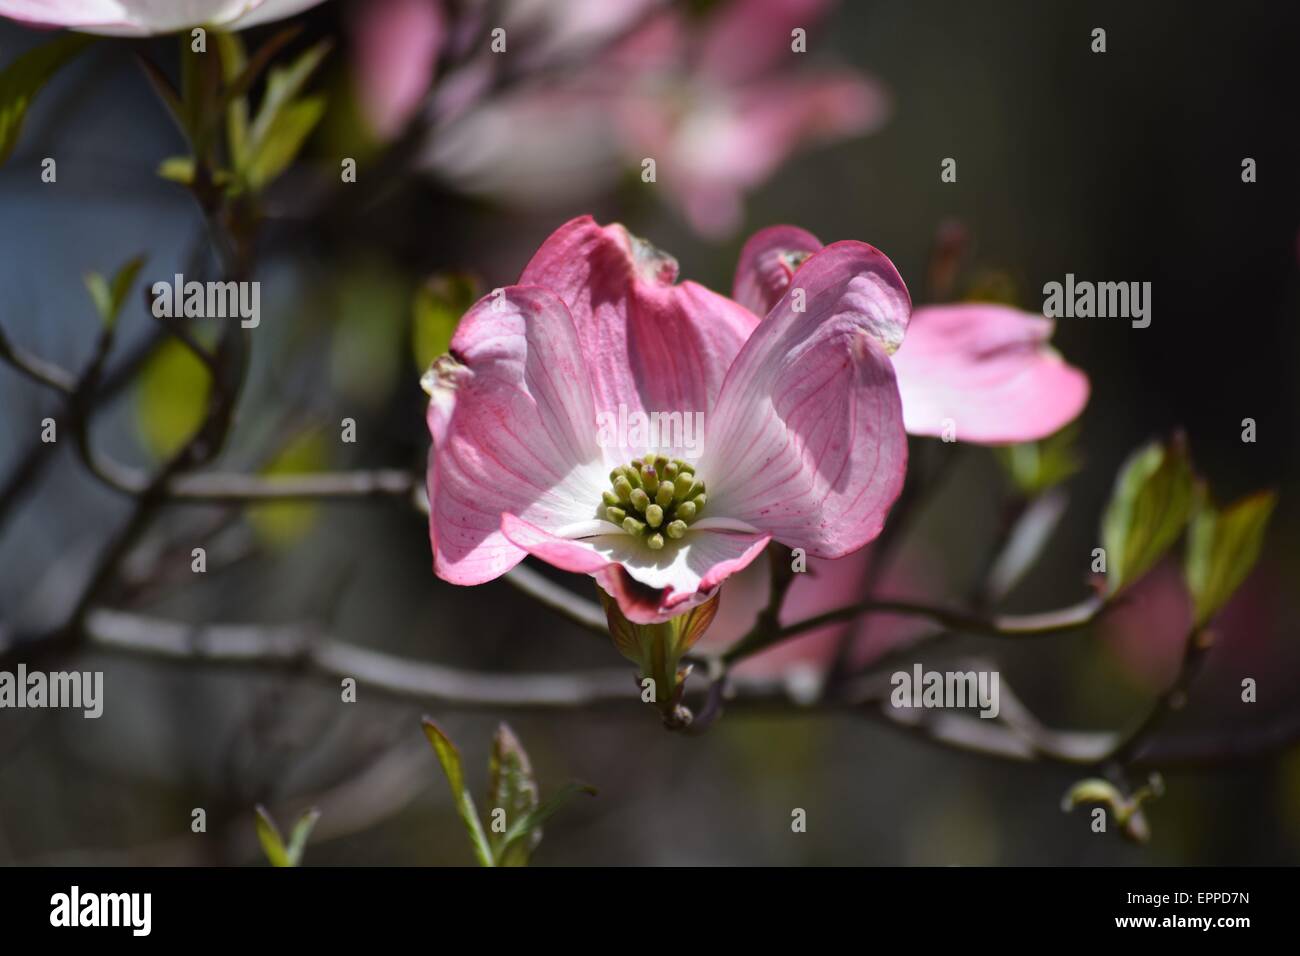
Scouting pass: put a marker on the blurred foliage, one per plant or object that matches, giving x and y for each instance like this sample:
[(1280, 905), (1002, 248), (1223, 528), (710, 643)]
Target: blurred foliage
[(171, 397), (1036, 466), (437, 308), (22, 79), (369, 305), (283, 523)]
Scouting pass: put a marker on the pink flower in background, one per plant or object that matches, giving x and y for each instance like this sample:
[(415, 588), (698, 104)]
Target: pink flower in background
[(145, 17), (988, 368), (802, 443), (1147, 630), (826, 585), (397, 43), (718, 103), (721, 106)]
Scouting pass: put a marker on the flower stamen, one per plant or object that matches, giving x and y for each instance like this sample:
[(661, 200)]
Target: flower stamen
[(653, 497)]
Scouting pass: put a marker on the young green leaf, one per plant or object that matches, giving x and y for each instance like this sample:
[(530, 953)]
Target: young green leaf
[(283, 84), (271, 153), (109, 297), (1222, 547), (449, 757), (512, 788), (22, 79), (1036, 466), (298, 838), (523, 828), (268, 834), (1148, 509)]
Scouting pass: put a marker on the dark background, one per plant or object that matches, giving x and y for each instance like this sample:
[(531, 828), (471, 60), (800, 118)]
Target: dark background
[(1122, 166)]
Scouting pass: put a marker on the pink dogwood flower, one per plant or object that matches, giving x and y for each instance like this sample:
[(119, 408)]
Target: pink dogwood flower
[(988, 369), (803, 439), (147, 17)]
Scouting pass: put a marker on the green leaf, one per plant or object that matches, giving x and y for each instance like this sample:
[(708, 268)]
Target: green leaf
[(171, 398), (523, 829), (1148, 509), (271, 153), (109, 297), (285, 522), (283, 84), (512, 788), (234, 62), (449, 757), (1222, 548), (1036, 466), (22, 79), (268, 834), (298, 839), (436, 310)]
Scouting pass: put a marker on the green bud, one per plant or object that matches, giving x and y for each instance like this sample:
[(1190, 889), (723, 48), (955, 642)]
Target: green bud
[(632, 526), (615, 515), (656, 541), (654, 516), (640, 500), (623, 488), (681, 486), (686, 511), (676, 529), (609, 497), (664, 496)]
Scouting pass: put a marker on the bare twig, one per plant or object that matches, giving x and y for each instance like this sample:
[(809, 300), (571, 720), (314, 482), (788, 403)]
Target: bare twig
[(36, 368)]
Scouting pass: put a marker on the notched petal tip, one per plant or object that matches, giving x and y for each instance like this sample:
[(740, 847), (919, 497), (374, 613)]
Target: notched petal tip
[(445, 374)]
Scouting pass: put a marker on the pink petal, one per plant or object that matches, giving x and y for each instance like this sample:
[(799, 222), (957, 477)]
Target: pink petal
[(990, 370), (767, 263), (807, 440), (650, 344), (733, 140), (397, 44), (513, 429), (144, 17), (650, 586), (747, 37)]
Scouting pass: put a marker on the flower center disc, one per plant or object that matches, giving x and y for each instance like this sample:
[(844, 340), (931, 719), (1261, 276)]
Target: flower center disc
[(654, 497)]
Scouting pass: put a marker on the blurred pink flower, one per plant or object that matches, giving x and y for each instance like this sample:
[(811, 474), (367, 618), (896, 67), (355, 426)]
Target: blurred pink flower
[(145, 17), (988, 368), (1147, 630), (803, 440), (397, 43), (719, 104), (826, 585)]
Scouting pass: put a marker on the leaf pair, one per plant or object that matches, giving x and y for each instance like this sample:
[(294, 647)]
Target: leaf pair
[(1156, 497), (277, 851), (517, 812), (258, 147)]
